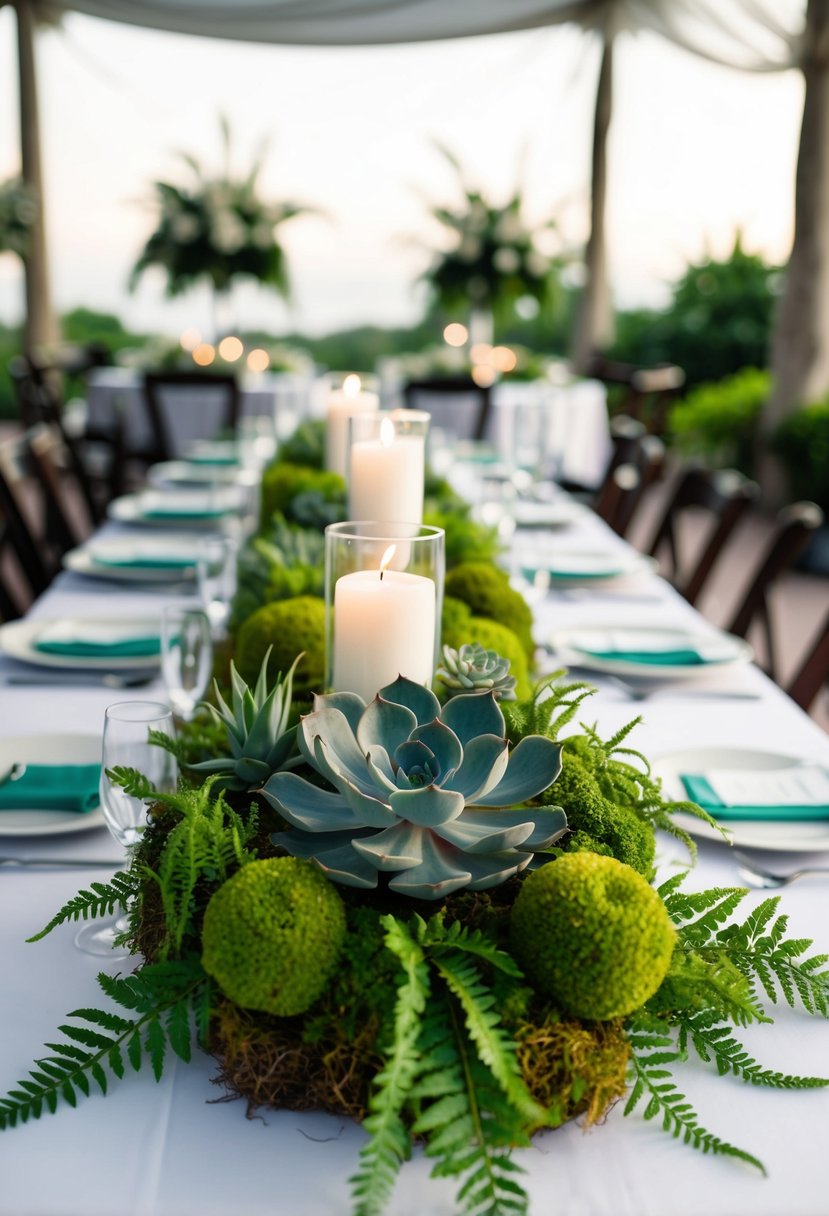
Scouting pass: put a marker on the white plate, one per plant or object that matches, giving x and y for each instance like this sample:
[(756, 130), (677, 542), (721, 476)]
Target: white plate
[(213, 451), (49, 749), (736, 652), (547, 514), (18, 638), (133, 508), (82, 560), (185, 472), (590, 567), (806, 836)]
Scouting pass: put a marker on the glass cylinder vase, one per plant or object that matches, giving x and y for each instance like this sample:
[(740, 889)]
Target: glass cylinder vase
[(387, 465), (383, 601)]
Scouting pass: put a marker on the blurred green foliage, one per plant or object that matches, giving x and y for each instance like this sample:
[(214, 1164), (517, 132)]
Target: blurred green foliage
[(718, 422), (802, 443)]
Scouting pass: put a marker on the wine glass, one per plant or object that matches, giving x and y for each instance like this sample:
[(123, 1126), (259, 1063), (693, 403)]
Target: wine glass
[(186, 657), (216, 567), (126, 743)]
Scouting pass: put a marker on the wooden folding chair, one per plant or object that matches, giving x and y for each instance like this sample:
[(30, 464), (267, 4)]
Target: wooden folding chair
[(813, 673), (625, 484), (725, 495), (795, 526), (160, 390)]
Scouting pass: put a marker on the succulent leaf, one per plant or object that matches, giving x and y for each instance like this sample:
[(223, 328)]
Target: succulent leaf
[(429, 795), (474, 668)]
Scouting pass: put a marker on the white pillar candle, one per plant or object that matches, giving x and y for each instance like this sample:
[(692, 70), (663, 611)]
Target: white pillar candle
[(384, 626), (386, 477), (340, 406)]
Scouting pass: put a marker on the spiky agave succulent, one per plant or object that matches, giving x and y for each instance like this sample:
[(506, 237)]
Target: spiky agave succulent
[(474, 669), (256, 725), (429, 794)]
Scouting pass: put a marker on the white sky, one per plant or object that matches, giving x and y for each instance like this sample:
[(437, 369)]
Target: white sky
[(696, 152)]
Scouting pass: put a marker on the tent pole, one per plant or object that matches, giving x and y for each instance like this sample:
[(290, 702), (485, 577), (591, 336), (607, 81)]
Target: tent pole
[(594, 325), (40, 326)]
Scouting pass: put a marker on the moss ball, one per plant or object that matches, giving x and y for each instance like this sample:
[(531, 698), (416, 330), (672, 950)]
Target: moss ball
[(593, 935), (493, 636), (453, 618), (272, 935), (486, 591), (282, 483), (289, 626)]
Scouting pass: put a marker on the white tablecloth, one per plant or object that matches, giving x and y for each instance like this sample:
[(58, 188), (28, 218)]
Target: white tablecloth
[(166, 1150)]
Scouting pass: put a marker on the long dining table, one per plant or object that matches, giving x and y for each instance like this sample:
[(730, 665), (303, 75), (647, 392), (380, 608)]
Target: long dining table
[(176, 1148)]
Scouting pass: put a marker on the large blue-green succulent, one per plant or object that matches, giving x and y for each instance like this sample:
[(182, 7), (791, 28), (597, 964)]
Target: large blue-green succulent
[(430, 795)]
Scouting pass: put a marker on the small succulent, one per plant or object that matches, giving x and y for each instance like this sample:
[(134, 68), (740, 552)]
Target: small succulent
[(256, 724), (431, 795), (474, 669)]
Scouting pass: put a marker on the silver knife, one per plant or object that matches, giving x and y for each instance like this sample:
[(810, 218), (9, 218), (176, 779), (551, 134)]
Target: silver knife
[(61, 863)]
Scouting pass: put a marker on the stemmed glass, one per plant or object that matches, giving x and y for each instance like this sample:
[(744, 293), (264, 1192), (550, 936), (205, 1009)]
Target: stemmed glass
[(126, 744), (186, 657), (216, 566)]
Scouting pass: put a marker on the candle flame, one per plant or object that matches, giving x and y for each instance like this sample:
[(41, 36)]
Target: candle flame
[(351, 385), (387, 432), (385, 560)]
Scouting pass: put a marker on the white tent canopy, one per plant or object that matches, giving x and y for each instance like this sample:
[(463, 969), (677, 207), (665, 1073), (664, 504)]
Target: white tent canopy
[(753, 35)]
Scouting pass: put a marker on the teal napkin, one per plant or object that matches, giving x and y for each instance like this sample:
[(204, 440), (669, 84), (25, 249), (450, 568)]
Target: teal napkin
[(681, 657), (530, 572), (213, 458), (184, 513), (699, 790), (146, 563), (53, 787), (124, 648)]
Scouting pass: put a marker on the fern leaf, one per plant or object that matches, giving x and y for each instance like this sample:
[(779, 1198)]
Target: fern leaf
[(101, 899), (715, 1043), (389, 1145)]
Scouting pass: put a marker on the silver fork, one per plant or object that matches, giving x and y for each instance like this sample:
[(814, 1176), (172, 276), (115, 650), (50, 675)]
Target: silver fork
[(756, 876), (59, 863), (641, 692)]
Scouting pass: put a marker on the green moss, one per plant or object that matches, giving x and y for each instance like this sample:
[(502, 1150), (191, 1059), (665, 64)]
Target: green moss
[(283, 484), (597, 824), (593, 935), (455, 616), (486, 591), (288, 626), (492, 636), (272, 935)]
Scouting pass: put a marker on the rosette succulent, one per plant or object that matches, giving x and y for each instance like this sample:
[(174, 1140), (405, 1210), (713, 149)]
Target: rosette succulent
[(477, 670), (256, 725), (427, 794)]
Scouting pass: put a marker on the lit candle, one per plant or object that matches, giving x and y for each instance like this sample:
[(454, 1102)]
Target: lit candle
[(341, 405), (384, 626), (387, 474)]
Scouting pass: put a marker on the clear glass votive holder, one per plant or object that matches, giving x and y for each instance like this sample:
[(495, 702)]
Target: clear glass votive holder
[(387, 465), (383, 601)]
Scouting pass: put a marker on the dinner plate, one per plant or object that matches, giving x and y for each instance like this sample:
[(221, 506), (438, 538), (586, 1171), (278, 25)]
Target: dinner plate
[(192, 473), (49, 749), (572, 646), (18, 640), (804, 836), (560, 514), (589, 567), (214, 451), (138, 508), (83, 560)]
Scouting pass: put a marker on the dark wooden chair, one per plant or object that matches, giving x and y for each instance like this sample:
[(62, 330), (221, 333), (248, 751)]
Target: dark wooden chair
[(813, 673), (96, 459), (19, 539), (217, 397), (725, 495), (646, 393), (457, 404), (795, 526), (626, 482)]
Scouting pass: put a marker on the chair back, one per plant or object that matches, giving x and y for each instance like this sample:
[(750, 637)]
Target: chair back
[(18, 534), (725, 495), (795, 525), (182, 406), (625, 483), (457, 404), (813, 672), (646, 392), (63, 502)]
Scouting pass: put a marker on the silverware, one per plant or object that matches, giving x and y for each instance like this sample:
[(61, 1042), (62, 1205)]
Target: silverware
[(81, 680), (756, 876), (642, 693), (60, 863)]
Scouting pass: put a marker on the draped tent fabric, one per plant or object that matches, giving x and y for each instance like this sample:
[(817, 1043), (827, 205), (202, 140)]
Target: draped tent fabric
[(752, 35)]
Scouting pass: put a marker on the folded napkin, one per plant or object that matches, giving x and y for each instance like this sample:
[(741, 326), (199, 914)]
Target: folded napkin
[(144, 561), (213, 458), (98, 641), (53, 787), (575, 571), (182, 510), (791, 793), (653, 650)]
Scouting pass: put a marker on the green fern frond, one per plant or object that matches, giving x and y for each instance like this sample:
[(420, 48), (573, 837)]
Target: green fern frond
[(390, 1145), (552, 706), (101, 899), (651, 1050), (714, 1043), (95, 1042), (434, 935), (698, 983)]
